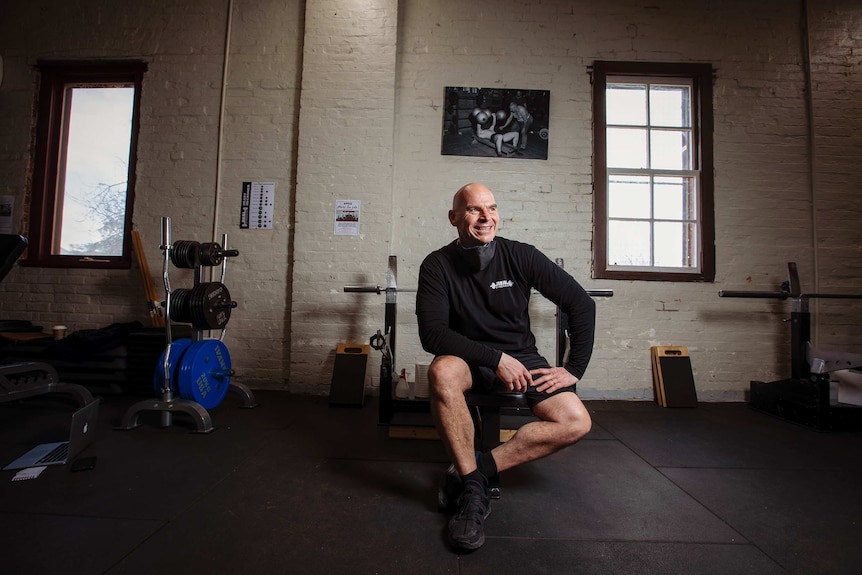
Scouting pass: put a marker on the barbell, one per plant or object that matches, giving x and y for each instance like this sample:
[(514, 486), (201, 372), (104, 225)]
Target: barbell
[(378, 289)]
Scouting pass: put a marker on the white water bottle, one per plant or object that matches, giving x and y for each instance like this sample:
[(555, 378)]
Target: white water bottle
[(402, 389)]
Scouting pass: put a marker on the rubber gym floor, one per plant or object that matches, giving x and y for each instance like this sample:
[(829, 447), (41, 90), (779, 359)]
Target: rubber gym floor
[(297, 486)]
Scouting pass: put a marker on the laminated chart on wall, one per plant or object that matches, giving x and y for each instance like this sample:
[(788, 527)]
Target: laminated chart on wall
[(673, 380), (257, 205)]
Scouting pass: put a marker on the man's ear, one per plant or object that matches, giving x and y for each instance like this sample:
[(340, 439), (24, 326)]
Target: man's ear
[(452, 217)]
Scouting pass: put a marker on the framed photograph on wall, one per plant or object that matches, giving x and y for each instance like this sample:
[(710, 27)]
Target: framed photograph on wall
[(496, 122)]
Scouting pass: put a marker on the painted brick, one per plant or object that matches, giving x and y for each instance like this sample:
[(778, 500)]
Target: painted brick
[(360, 120)]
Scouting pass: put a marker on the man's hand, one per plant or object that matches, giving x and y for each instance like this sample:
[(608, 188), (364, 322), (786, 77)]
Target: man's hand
[(552, 378), (513, 373)]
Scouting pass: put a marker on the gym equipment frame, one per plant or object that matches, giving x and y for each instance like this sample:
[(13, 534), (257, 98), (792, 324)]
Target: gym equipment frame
[(804, 397), (199, 369), (28, 379), (386, 343)]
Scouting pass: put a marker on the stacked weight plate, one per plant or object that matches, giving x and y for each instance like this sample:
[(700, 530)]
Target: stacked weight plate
[(200, 371)]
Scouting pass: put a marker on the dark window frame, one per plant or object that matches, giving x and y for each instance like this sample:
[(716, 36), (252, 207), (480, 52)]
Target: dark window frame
[(54, 77), (702, 120)]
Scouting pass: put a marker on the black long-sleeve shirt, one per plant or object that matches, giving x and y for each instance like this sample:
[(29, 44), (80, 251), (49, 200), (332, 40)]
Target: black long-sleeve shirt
[(477, 315)]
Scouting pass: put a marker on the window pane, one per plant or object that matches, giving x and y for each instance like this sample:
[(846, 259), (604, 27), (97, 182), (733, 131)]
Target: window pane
[(674, 198), (669, 150), (94, 184), (675, 245), (628, 243), (670, 106), (628, 197), (626, 104), (627, 148)]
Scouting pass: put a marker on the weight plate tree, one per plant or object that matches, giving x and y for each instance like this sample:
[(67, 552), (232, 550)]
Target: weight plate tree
[(198, 370), (177, 349)]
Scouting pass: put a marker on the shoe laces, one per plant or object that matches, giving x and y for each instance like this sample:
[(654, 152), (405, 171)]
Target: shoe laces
[(473, 500)]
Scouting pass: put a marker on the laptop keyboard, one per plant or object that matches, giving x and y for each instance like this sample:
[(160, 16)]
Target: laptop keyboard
[(57, 454)]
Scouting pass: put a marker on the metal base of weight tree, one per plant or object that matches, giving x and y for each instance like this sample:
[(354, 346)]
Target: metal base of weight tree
[(197, 369)]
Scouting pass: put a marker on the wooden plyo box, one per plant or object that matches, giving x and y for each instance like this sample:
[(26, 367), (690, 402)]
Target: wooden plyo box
[(673, 380), (349, 373)]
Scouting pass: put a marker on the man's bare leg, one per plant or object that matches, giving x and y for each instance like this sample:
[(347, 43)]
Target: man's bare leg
[(449, 378), (564, 420)]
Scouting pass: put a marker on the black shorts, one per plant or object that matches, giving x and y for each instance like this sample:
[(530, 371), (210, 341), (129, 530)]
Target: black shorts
[(485, 379)]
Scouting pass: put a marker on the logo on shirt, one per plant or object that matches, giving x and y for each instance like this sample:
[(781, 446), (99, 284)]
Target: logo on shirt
[(502, 284)]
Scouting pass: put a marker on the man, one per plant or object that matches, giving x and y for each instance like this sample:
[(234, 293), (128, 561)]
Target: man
[(479, 119), (519, 113), (472, 310)]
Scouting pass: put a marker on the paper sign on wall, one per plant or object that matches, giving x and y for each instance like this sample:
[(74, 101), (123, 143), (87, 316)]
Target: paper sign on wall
[(347, 217), (257, 205)]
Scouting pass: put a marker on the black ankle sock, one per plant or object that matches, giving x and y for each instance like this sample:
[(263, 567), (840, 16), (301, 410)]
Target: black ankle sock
[(486, 464), (475, 476)]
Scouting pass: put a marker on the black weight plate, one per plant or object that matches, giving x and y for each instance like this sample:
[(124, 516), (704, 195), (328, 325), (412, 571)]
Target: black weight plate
[(210, 306)]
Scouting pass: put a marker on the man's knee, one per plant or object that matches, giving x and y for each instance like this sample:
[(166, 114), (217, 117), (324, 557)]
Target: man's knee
[(567, 410), (449, 374), (577, 426)]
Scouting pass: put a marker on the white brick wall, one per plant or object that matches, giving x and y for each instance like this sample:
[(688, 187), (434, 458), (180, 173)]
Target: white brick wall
[(342, 100)]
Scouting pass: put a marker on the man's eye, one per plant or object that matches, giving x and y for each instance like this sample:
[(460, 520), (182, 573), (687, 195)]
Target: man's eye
[(472, 211)]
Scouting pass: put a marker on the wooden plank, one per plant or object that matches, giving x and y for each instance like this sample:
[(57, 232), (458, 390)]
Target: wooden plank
[(673, 379), (412, 432), (507, 434), (153, 304)]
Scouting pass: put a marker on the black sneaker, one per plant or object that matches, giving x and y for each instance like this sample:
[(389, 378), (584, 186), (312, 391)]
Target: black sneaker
[(467, 527), (448, 491)]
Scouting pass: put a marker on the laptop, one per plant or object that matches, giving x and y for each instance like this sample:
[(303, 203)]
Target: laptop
[(81, 434)]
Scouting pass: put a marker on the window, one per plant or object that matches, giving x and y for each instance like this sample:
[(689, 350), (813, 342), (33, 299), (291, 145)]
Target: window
[(84, 169), (653, 177)]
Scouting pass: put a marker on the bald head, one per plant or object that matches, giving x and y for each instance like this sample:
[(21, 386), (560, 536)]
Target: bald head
[(467, 191), (474, 213)]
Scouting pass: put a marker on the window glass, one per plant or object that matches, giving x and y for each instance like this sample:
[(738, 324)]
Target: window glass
[(672, 241), (673, 198), (94, 183), (670, 106), (627, 148), (669, 150), (629, 243), (629, 197), (627, 105)]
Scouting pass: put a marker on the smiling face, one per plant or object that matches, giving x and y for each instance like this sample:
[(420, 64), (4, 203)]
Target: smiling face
[(474, 213)]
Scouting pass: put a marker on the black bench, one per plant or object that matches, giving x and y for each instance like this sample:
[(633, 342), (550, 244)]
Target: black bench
[(486, 409)]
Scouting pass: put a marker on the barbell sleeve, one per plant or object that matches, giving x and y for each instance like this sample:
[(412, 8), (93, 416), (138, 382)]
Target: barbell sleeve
[(754, 294), (366, 288)]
